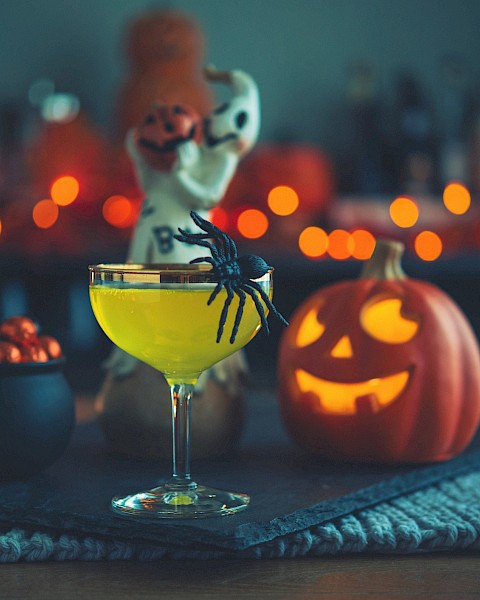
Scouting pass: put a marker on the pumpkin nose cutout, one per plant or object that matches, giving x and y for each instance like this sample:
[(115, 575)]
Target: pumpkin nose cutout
[(343, 348)]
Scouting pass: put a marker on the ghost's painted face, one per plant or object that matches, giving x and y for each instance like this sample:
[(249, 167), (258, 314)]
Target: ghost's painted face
[(234, 124)]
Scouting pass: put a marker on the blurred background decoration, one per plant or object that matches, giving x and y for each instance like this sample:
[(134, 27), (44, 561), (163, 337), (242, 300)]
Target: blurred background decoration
[(370, 128), (165, 56)]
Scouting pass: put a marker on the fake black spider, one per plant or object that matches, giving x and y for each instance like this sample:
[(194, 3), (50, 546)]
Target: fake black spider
[(232, 272)]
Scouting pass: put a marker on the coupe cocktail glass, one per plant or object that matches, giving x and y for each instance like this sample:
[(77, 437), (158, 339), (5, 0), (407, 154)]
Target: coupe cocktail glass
[(159, 314)]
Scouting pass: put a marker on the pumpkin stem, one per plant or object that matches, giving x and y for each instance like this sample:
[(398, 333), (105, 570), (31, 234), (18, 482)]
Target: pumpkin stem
[(385, 262)]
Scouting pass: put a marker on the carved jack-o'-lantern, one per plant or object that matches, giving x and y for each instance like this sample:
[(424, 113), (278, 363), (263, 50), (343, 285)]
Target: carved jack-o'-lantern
[(164, 128), (383, 368)]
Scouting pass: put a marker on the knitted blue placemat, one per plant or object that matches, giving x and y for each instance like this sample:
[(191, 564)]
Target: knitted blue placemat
[(300, 505)]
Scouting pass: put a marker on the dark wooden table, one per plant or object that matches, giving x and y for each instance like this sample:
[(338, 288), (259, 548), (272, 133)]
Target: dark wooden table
[(449, 576)]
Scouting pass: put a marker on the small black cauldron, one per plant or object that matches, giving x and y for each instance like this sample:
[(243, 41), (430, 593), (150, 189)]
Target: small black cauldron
[(37, 417)]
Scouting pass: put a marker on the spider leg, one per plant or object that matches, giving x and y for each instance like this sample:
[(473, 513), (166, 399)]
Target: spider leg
[(193, 237), (206, 226), (201, 259), (214, 294), (220, 283), (258, 305), (221, 239), (223, 316), (266, 299), (238, 317), (229, 247), (211, 229), (202, 236), (183, 237)]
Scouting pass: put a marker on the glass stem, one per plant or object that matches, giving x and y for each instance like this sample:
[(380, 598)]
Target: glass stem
[(181, 394)]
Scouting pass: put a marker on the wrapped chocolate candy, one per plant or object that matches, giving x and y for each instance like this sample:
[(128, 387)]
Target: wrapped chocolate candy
[(34, 354), (18, 330), (20, 342), (50, 345), (9, 353)]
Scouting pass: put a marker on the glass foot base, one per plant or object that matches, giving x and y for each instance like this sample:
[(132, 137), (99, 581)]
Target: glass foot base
[(170, 501)]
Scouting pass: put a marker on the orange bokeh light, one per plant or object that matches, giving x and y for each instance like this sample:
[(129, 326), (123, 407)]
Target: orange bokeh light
[(363, 244), (45, 213), (428, 245), (283, 200), (456, 198), (64, 190), (118, 211), (313, 242), (404, 212), (340, 244), (252, 223)]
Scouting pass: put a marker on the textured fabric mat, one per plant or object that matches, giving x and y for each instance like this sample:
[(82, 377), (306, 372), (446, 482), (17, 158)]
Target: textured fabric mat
[(442, 517), (299, 505)]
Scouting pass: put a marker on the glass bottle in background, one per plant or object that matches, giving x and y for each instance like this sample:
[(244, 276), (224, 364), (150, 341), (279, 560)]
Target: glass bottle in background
[(455, 107), (415, 138), (363, 170)]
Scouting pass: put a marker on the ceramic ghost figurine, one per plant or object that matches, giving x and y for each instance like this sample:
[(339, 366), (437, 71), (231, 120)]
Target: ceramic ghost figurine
[(177, 177), (196, 179), (200, 175)]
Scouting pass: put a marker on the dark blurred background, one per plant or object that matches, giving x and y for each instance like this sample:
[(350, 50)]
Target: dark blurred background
[(363, 103)]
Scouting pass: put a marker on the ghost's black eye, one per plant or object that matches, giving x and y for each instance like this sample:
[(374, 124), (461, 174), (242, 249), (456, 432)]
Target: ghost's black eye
[(221, 109), (149, 120), (241, 119), (169, 127), (178, 110)]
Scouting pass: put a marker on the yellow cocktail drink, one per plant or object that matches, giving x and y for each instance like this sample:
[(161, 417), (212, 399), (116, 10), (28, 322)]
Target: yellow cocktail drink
[(170, 316), (171, 328)]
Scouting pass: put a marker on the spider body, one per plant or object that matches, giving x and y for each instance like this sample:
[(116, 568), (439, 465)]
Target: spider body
[(230, 272)]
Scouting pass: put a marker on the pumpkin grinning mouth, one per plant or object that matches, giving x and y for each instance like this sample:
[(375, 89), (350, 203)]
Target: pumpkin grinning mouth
[(342, 398), (169, 145)]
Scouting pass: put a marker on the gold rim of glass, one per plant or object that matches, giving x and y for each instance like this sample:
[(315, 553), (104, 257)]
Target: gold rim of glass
[(149, 267), (150, 273), (156, 273)]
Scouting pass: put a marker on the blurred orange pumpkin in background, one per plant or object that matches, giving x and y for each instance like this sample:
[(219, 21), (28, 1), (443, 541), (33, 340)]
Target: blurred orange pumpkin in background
[(304, 175), (165, 51)]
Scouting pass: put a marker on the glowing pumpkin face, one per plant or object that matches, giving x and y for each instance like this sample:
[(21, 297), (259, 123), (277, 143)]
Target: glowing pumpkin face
[(164, 128), (384, 370), (380, 321)]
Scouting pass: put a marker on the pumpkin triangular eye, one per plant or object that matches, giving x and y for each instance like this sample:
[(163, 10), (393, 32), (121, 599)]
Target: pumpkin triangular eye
[(310, 329), (382, 318), (343, 348)]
